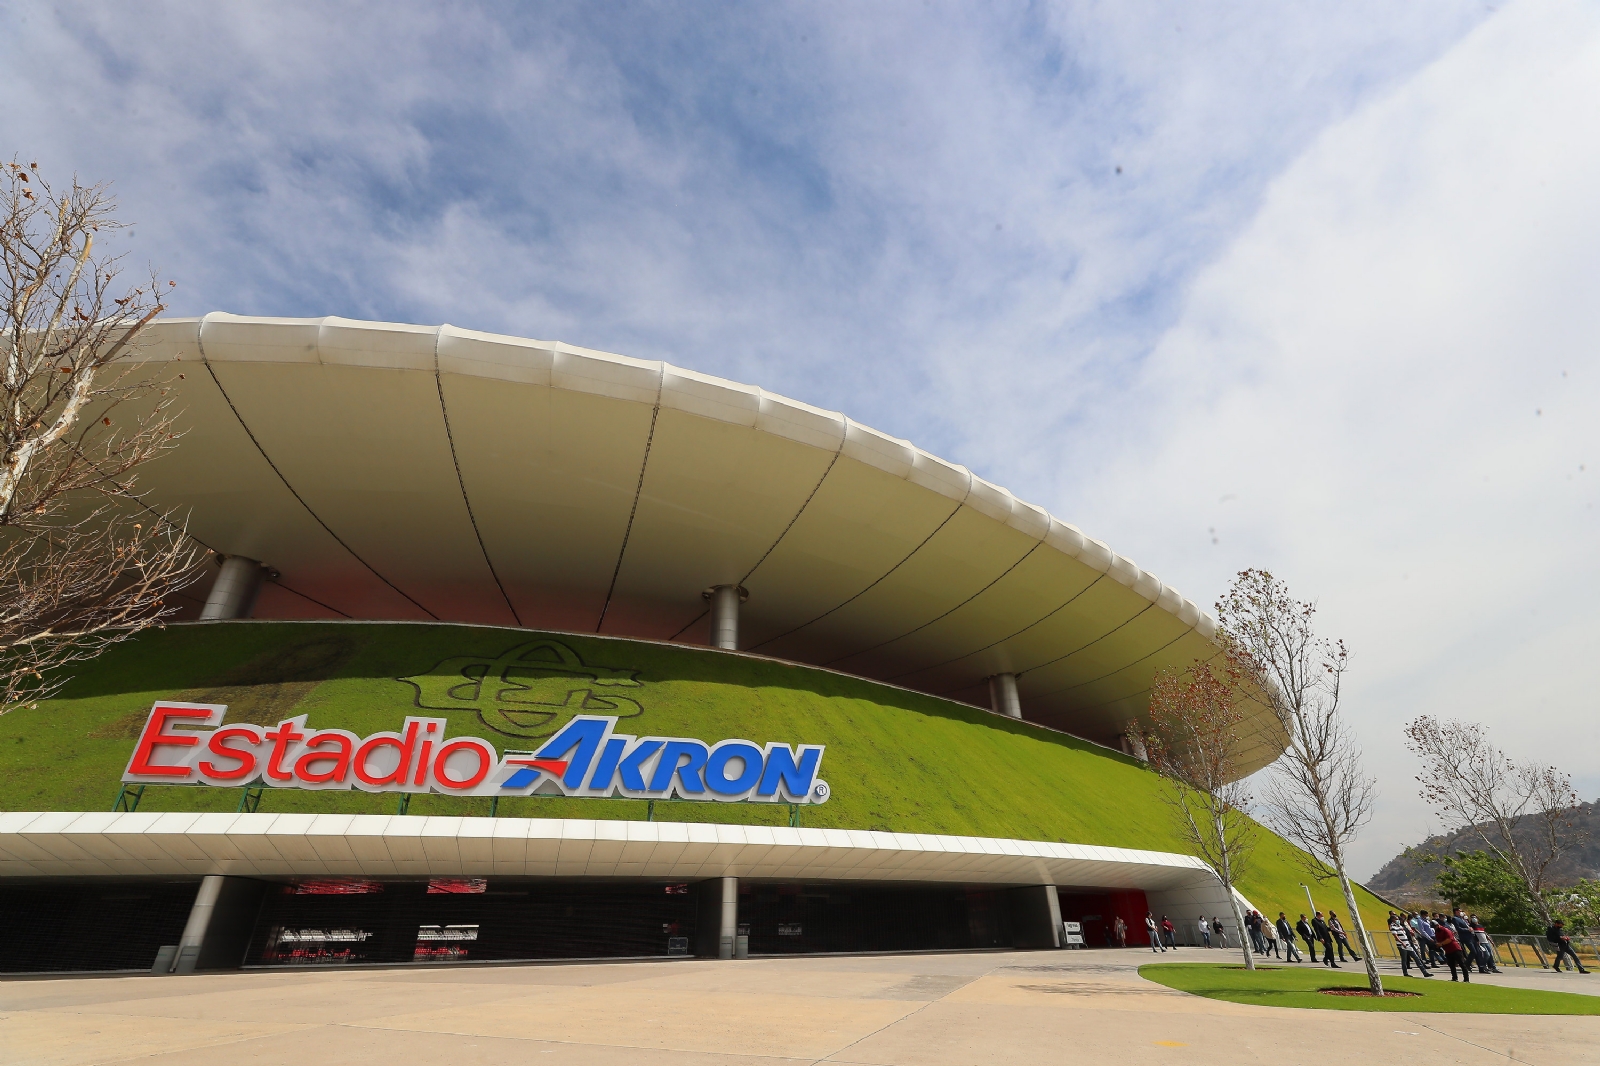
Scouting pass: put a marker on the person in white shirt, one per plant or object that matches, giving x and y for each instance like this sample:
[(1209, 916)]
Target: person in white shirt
[(1403, 941), (1205, 932), (1155, 934)]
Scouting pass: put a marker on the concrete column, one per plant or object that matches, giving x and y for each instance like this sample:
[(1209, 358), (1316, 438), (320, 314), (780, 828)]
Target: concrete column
[(1003, 695), (725, 601), (233, 594), (220, 922), (1035, 917), (730, 918), (194, 931)]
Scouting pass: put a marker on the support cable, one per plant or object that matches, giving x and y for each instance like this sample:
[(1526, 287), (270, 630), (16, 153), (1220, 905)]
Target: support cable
[(946, 614), (976, 651), (633, 511), (880, 579), (444, 411), (774, 545), (298, 498)]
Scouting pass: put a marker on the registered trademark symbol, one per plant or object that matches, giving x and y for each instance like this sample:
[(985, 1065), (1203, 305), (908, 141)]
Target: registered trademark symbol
[(819, 792)]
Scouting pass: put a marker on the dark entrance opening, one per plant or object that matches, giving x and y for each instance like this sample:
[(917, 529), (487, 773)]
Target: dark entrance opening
[(789, 919), (340, 922), (87, 926)]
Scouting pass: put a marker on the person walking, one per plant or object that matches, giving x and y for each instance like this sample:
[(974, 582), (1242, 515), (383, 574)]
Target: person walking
[(1169, 931), (1155, 933), (1307, 934), (1120, 928), (1426, 945), (1467, 938), (1205, 932), (1269, 936), (1485, 946), (1340, 938), (1319, 926), (1454, 957), (1557, 935), (1256, 942), (1403, 943), (1222, 934), (1286, 934)]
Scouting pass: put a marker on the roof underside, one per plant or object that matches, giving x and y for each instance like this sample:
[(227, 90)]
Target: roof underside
[(407, 472)]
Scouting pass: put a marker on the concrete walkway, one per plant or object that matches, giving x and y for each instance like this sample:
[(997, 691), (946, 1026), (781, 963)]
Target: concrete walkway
[(998, 1008)]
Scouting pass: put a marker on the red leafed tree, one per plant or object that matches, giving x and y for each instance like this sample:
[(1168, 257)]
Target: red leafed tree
[(1197, 726)]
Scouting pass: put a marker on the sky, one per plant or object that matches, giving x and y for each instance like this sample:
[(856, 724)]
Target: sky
[(1307, 287)]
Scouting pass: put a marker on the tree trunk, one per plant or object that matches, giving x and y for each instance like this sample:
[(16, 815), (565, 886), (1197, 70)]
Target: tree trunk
[(1227, 886), (1238, 923), (1368, 956)]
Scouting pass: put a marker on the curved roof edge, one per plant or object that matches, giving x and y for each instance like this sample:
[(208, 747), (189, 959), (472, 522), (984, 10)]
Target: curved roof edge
[(449, 349)]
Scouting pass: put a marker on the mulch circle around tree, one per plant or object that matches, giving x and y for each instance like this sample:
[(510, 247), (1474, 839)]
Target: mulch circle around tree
[(1367, 992)]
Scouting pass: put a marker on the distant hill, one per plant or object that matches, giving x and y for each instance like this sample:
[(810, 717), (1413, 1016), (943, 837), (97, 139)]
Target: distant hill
[(1406, 880)]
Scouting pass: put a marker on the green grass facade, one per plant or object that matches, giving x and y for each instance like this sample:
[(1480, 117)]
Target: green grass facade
[(896, 760)]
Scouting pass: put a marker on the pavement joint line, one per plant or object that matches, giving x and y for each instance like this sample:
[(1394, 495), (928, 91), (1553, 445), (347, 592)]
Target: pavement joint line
[(829, 1057), (1472, 1043), (576, 1043)]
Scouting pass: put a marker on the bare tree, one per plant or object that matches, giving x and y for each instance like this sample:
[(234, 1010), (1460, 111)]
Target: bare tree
[(1522, 811), (1318, 796), (83, 563), (1196, 722)]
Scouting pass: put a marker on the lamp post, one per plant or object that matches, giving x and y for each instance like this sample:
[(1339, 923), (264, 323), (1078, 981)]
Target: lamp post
[(1309, 905)]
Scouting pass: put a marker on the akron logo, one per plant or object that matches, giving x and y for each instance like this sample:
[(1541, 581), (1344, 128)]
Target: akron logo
[(188, 744), (529, 691)]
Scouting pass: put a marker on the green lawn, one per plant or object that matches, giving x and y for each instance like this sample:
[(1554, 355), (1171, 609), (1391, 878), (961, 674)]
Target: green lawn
[(896, 760), (1298, 987)]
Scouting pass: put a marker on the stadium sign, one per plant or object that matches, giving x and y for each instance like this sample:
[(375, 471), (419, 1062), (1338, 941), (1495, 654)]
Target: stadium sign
[(187, 744)]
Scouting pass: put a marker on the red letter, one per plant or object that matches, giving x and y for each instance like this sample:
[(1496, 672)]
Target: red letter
[(281, 738), (397, 776), (155, 736), (485, 762), (340, 759), (244, 756)]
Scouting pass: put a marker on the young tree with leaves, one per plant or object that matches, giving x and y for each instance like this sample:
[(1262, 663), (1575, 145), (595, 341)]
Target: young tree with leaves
[(83, 562), (1483, 883), (1319, 796), (1197, 722), (1522, 811)]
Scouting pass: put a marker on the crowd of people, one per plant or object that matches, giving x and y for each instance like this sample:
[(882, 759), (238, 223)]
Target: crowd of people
[(1458, 941)]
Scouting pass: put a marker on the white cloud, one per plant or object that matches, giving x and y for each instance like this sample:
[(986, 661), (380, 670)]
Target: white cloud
[(1393, 380), (912, 213)]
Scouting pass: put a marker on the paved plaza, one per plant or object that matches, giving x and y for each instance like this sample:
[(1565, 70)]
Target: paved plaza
[(998, 1008)]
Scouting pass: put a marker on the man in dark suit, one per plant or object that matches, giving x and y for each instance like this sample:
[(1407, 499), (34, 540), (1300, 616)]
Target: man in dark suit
[(1307, 934), (1286, 934), (1325, 936)]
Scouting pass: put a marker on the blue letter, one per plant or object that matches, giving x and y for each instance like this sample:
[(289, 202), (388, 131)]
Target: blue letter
[(583, 733), (688, 774), (606, 768), (781, 767), (717, 767), (642, 750)]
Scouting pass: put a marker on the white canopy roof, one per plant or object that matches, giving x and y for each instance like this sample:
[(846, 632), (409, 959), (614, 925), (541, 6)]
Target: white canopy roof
[(411, 472)]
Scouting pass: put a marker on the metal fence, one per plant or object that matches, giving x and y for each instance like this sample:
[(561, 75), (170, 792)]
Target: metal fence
[(1515, 951), (1525, 952)]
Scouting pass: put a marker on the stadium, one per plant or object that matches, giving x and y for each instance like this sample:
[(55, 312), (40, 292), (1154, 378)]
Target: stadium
[(515, 650)]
